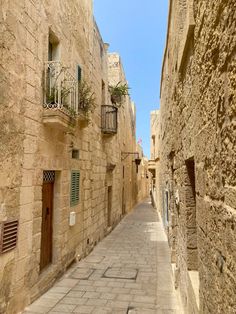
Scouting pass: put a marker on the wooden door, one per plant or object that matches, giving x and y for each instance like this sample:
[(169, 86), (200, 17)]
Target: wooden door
[(123, 201), (46, 228), (109, 206)]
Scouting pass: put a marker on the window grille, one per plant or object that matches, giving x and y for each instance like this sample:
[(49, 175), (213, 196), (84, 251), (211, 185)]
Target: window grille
[(49, 176)]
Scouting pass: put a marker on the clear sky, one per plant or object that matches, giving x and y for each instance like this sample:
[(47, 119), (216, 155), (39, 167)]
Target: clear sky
[(137, 31)]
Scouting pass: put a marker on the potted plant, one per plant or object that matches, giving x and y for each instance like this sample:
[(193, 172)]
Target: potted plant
[(117, 92)]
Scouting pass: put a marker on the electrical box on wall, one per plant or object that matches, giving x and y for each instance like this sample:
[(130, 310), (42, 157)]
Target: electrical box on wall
[(72, 218)]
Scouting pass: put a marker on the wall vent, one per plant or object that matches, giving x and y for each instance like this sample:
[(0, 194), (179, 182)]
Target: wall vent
[(8, 235), (75, 153)]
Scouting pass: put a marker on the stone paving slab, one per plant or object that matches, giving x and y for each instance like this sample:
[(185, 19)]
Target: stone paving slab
[(128, 272)]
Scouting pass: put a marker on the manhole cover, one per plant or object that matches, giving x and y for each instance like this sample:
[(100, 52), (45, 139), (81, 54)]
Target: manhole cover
[(121, 273), (82, 273)]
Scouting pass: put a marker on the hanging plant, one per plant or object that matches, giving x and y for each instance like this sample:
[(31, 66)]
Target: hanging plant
[(86, 98), (117, 92)]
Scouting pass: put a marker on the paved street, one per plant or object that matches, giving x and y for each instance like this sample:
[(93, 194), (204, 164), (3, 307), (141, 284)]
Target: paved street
[(128, 272)]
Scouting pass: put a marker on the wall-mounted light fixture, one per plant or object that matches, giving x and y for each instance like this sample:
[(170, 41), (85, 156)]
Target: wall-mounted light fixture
[(137, 160), (124, 155)]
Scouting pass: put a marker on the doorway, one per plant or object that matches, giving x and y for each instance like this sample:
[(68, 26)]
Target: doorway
[(47, 219), (191, 221), (123, 202), (109, 206)]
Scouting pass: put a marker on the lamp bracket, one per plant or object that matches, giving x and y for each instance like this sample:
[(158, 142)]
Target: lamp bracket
[(124, 155)]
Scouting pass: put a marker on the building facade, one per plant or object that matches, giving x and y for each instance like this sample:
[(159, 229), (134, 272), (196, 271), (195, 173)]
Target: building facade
[(64, 183), (143, 175), (197, 177), (153, 163)]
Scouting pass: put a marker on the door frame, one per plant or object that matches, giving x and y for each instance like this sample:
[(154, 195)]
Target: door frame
[(109, 205), (48, 180)]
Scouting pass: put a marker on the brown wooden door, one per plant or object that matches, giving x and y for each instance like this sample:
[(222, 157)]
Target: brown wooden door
[(123, 202), (109, 206), (46, 230)]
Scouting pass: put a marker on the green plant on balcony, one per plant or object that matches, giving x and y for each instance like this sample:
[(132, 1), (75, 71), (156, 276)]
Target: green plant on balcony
[(86, 98), (52, 96), (117, 93)]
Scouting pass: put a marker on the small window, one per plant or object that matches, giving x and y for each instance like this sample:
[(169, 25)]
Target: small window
[(53, 47), (79, 73), (74, 190)]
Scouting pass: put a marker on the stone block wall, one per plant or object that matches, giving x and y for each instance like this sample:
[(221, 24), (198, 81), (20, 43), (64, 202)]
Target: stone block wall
[(154, 161), (198, 95), (143, 176), (126, 121), (29, 146)]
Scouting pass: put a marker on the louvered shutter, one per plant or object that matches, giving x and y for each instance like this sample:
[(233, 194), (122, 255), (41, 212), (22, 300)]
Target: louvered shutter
[(74, 192), (8, 235)]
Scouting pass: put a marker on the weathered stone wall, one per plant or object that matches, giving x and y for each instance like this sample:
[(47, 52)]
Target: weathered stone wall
[(29, 146), (127, 141), (198, 151), (154, 128), (143, 176), (154, 161)]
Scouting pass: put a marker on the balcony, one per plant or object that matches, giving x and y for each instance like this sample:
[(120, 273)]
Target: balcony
[(60, 96), (109, 120)]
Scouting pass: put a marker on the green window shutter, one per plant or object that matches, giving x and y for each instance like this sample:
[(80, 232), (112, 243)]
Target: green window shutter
[(74, 189)]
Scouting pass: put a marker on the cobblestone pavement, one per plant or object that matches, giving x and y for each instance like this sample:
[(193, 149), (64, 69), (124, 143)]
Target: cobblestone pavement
[(128, 272)]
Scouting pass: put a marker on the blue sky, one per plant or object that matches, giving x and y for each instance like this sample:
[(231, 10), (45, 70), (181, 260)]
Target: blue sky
[(137, 31)]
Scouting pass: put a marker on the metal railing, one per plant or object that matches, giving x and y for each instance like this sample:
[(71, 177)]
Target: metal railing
[(109, 119), (60, 88)]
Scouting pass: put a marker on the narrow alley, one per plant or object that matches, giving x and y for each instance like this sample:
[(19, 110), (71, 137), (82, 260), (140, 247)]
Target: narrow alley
[(128, 272)]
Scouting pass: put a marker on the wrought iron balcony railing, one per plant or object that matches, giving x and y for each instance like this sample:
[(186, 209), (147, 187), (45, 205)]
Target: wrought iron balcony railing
[(109, 119), (61, 91)]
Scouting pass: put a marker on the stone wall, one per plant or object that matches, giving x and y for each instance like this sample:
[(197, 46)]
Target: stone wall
[(34, 139), (143, 176), (127, 143), (198, 152), (154, 157), (154, 128)]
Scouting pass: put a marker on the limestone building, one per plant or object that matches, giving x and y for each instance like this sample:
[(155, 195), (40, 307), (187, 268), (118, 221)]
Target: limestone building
[(64, 183), (143, 177), (153, 163), (198, 152)]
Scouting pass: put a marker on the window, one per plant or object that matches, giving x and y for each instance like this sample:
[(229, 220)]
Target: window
[(74, 189), (53, 47)]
